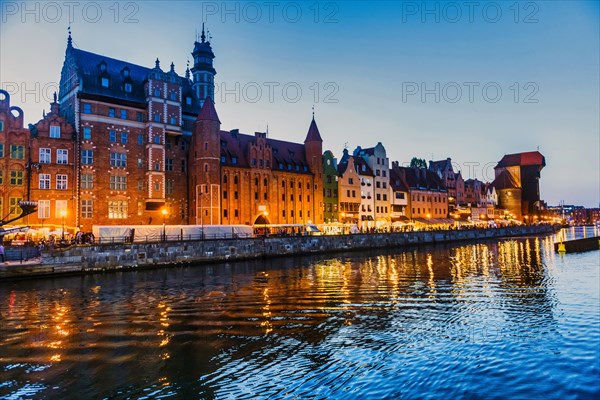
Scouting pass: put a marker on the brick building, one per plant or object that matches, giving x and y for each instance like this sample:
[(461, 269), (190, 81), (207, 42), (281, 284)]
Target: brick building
[(517, 183), (349, 190), (14, 153), (243, 179), (53, 173), (427, 193), (453, 181), (474, 192), (147, 140)]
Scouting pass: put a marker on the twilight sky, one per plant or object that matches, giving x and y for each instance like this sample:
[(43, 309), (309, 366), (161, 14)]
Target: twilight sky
[(467, 80)]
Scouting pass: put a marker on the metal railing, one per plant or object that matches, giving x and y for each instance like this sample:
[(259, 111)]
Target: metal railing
[(169, 238)]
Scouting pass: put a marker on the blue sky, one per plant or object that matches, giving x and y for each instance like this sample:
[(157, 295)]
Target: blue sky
[(441, 79)]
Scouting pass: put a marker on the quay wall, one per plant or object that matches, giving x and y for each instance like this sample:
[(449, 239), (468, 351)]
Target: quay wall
[(118, 257)]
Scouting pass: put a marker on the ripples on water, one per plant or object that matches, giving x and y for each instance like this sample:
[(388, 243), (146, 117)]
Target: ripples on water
[(486, 320)]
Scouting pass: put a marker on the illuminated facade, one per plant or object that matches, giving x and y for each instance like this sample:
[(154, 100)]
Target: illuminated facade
[(150, 140)]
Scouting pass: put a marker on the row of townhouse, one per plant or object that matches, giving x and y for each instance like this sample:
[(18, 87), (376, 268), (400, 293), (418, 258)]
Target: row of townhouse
[(363, 189)]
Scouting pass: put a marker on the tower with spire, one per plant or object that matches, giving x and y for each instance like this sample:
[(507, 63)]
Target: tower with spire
[(313, 147), (203, 71), (205, 167), (149, 149)]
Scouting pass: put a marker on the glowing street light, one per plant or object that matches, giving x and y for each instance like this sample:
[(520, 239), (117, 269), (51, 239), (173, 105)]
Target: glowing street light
[(164, 212)]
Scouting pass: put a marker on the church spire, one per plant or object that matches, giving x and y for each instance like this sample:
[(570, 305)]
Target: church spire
[(313, 134), (69, 39), (203, 36), (208, 112)]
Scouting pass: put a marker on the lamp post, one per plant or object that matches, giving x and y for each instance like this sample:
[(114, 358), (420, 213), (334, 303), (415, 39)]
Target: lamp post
[(63, 214), (164, 212)]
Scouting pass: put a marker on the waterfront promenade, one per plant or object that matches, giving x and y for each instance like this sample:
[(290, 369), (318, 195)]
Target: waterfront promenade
[(81, 259)]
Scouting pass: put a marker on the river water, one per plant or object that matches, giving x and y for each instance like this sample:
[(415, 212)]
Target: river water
[(493, 319)]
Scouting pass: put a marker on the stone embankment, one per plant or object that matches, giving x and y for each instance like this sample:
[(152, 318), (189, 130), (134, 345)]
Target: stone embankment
[(119, 257)]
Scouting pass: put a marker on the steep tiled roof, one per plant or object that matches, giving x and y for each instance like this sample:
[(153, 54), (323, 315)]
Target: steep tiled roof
[(89, 72), (313, 134), (360, 163), (397, 181), (287, 156), (440, 165), (423, 179), (208, 112), (522, 159), (505, 181), (88, 66)]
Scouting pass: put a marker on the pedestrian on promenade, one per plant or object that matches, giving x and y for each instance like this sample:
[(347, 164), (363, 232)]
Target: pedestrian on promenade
[(2, 252)]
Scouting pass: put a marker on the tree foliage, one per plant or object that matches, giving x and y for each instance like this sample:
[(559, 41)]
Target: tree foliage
[(418, 163)]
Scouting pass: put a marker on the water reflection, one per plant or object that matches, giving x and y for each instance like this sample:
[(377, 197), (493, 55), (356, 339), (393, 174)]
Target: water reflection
[(447, 320)]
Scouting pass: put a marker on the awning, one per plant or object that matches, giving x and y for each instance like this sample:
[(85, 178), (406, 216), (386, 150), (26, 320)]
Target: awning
[(435, 221), (400, 223), (13, 230), (312, 228)]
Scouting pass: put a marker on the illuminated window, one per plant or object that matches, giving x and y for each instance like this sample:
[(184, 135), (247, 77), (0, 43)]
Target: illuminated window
[(14, 207), (117, 209), (43, 209)]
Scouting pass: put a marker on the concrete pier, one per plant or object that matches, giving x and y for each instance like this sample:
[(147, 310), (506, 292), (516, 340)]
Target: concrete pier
[(118, 257)]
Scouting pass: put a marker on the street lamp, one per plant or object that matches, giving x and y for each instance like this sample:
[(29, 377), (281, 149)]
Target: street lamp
[(164, 212), (63, 214)]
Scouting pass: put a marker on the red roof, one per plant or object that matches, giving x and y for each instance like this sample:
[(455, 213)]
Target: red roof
[(522, 159), (208, 112), (287, 156)]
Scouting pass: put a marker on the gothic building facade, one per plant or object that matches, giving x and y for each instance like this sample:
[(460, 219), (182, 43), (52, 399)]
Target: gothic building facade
[(142, 145)]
